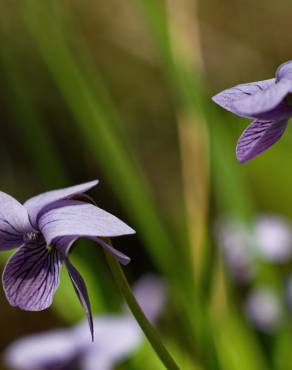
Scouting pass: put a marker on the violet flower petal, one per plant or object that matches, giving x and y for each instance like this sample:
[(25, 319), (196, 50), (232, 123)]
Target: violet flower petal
[(258, 137), (14, 222), (93, 362), (263, 101), (234, 240), (81, 219), (263, 309), (31, 277), (273, 238), (150, 293), (121, 257), (228, 97), (280, 112), (39, 351), (116, 338), (64, 244), (35, 204), (284, 71), (81, 291)]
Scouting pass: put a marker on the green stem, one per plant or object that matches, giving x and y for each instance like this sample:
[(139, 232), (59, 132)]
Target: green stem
[(145, 325)]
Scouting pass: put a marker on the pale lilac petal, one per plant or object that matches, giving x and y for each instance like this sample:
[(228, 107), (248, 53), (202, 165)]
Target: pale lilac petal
[(284, 71), (263, 101), (31, 277), (92, 361), (258, 137), (14, 222), (228, 97), (117, 337), (64, 244), (263, 309), (42, 351), (150, 293), (273, 238), (280, 112), (121, 257), (81, 291), (35, 204), (235, 242), (81, 219)]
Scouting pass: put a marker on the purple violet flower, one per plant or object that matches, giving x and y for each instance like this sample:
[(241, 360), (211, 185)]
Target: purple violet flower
[(263, 309), (266, 102), (273, 238), (44, 229), (269, 238), (234, 242), (117, 336)]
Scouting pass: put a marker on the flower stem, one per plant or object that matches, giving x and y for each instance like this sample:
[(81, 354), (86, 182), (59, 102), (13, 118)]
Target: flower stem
[(149, 331)]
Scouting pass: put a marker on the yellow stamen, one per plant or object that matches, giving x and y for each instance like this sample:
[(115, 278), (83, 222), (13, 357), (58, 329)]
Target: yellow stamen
[(49, 248)]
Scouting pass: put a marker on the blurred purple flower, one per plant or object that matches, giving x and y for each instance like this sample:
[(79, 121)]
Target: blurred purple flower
[(273, 238), (117, 336), (234, 241), (264, 101), (44, 229), (269, 238), (263, 309)]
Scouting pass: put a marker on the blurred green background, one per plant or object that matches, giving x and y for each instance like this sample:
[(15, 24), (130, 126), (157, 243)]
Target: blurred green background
[(121, 91)]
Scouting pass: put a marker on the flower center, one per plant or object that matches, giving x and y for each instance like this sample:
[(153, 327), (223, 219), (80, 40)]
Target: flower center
[(49, 248), (33, 236)]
